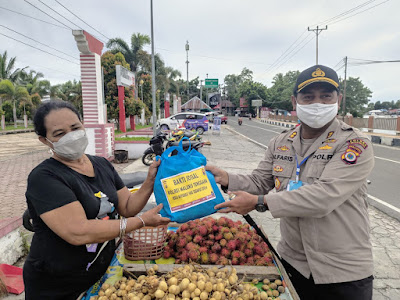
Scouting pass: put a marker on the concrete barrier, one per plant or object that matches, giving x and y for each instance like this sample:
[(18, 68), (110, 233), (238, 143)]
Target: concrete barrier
[(11, 241)]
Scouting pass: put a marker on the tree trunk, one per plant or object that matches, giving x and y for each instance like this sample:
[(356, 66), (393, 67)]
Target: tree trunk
[(15, 114)]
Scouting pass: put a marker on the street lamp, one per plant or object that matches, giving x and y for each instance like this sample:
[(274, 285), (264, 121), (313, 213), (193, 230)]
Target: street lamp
[(187, 67)]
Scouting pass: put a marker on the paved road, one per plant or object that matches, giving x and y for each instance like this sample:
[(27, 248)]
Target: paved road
[(384, 189)]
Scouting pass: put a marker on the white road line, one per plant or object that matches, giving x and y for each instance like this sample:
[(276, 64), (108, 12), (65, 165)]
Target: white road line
[(246, 137), (384, 203), (395, 161), (263, 128)]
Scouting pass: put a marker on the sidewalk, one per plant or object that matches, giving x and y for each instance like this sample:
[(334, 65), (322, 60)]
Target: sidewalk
[(233, 153)]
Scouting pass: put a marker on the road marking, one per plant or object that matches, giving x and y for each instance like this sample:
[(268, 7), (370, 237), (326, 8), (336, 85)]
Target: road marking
[(246, 137), (384, 203), (263, 128), (395, 161)]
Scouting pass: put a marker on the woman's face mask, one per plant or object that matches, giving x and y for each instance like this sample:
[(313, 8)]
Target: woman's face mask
[(72, 145)]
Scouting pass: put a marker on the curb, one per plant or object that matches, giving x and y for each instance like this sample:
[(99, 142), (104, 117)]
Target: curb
[(16, 131)]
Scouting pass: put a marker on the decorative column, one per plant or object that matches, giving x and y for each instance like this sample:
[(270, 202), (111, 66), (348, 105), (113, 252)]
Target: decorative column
[(99, 132)]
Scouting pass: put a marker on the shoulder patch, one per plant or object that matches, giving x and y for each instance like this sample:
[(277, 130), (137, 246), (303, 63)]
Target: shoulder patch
[(294, 133), (330, 133), (283, 148), (359, 142)]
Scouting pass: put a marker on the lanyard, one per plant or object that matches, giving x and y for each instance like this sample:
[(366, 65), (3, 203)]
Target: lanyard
[(299, 165)]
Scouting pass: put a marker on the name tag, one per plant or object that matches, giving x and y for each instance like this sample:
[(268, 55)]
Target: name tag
[(293, 185)]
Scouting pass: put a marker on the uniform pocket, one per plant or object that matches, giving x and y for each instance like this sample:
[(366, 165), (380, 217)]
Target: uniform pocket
[(282, 173)]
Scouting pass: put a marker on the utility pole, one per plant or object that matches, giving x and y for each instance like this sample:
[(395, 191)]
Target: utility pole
[(344, 86), (187, 68), (317, 32), (201, 89), (153, 72)]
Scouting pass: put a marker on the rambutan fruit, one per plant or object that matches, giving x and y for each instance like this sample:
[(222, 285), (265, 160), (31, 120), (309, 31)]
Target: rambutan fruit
[(235, 261), (223, 242), (235, 254), (204, 259), (203, 249), (213, 257), (259, 250), (184, 227), (226, 252), (202, 230), (193, 255), (216, 248), (228, 235), (248, 252), (222, 260), (231, 245), (181, 243), (197, 239)]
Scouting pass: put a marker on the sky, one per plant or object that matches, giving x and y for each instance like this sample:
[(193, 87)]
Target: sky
[(225, 36)]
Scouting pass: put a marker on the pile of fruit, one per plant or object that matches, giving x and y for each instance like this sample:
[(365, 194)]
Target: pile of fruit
[(190, 282), (217, 241)]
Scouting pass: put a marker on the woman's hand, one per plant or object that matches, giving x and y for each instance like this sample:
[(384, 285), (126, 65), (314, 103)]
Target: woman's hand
[(242, 203), (153, 218), (220, 175), (151, 174)]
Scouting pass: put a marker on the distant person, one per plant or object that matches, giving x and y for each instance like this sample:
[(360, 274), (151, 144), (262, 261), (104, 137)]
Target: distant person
[(73, 199), (319, 171)]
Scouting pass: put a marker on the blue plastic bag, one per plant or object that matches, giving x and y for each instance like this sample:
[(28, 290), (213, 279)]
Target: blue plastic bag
[(186, 190)]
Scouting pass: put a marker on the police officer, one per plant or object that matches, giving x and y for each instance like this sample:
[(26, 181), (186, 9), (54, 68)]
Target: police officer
[(313, 177)]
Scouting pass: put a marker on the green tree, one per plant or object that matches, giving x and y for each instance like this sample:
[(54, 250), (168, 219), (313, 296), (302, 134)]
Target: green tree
[(233, 82), (357, 97), (70, 91), (33, 83), (12, 94), (7, 68), (279, 94), (134, 53)]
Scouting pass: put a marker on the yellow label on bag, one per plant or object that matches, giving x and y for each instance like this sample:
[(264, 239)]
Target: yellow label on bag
[(187, 189)]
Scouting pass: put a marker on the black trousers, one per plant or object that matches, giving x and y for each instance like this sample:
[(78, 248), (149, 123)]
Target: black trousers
[(308, 290)]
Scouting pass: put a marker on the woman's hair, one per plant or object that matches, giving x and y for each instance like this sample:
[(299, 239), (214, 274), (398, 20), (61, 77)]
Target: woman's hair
[(44, 109)]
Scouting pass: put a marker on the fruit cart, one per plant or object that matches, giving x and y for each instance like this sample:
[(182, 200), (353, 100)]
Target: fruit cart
[(271, 279)]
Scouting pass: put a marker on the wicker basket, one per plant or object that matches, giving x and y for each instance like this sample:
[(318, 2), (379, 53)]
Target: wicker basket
[(146, 243)]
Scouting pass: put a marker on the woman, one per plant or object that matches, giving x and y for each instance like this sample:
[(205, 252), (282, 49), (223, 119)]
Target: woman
[(73, 199)]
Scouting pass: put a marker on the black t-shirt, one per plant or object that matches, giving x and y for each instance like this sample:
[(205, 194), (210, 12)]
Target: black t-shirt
[(52, 185)]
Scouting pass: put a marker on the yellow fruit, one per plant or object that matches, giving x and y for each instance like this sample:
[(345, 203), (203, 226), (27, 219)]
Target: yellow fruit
[(163, 286), (275, 293), (159, 294), (263, 296), (203, 296)]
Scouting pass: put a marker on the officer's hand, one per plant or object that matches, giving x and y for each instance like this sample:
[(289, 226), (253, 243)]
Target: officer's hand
[(242, 203), (153, 218), (220, 175)]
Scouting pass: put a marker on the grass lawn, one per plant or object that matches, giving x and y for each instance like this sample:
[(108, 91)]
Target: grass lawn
[(134, 138), (137, 127), (11, 127)]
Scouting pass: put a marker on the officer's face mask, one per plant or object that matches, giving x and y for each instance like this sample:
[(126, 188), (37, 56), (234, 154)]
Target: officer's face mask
[(316, 115), (72, 145)]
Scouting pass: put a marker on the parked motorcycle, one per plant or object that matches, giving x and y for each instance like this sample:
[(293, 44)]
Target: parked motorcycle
[(159, 143)]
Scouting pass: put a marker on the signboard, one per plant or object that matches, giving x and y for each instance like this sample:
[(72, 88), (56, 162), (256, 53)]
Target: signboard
[(243, 103), (187, 189), (211, 83), (124, 76), (214, 99), (256, 103)]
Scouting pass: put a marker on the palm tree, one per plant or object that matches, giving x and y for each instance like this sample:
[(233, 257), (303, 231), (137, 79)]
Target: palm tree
[(7, 68), (13, 94), (33, 83), (132, 54)]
